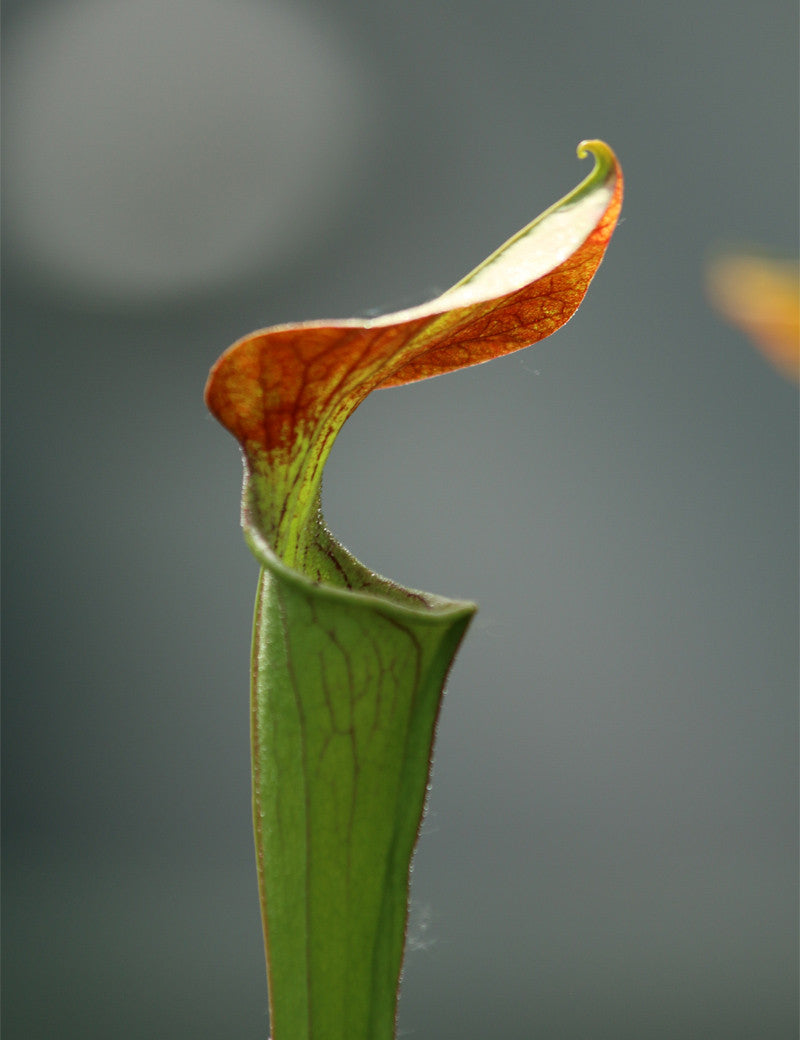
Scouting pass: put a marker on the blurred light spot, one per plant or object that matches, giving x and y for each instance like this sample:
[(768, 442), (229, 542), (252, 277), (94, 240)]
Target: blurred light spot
[(156, 147), (762, 297)]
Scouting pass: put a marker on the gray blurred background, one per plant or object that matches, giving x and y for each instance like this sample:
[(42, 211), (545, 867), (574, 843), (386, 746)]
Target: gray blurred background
[(611, 844)]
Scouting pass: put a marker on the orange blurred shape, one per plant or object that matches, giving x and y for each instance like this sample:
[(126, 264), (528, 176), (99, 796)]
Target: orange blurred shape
[(762, 297)]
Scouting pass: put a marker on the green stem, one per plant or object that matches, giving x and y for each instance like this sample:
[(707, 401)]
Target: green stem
[(346, 690)]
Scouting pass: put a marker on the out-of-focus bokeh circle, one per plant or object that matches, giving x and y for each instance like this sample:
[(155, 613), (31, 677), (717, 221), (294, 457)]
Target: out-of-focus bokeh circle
[(156, 149)]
